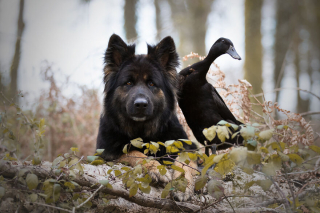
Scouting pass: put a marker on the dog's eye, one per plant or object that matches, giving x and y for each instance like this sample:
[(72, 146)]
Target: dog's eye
[(151, 84), (223, 41), (129, 83)]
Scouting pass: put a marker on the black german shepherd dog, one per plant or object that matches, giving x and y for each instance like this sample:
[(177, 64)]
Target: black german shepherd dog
[(140, 100)]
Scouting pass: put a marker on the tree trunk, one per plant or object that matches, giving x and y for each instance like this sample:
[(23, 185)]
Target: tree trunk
[(190, 19), (253, 48), (130, 19), (16, 58)]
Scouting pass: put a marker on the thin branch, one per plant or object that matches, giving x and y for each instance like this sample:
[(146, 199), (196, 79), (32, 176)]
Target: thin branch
[(279, 89), (309, 113), (304, 186), (46, 205), (89, 198), (229, 203)]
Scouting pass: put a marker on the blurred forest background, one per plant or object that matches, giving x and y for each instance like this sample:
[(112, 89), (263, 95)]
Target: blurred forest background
[(52, 51)]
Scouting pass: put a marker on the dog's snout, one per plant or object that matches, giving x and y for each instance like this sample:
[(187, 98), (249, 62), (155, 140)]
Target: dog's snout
[(141, 103)]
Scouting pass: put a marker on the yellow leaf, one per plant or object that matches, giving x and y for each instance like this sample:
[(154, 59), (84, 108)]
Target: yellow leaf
[(225, 165), (238, 154), (145, 190), (166, 190), (125, 149), (186, 141), (264, 150), (266, 134), (162, 169), (117, 172), (167, 162), (74, 149), (177, 168), (210, 133), (315, 148), (296, 159), (133, 190), (253, 158), (192, 156), (137, 143), (172, 149), (201, 182), (178, 144), (222, 132)]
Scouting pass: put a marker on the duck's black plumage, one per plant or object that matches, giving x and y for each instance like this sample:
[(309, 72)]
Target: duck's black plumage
[(199, 101)]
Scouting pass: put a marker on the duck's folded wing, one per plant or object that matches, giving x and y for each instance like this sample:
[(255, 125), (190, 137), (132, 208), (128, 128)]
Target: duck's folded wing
[(224, 111)]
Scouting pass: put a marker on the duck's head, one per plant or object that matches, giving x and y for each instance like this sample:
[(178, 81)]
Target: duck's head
[(224, 45)]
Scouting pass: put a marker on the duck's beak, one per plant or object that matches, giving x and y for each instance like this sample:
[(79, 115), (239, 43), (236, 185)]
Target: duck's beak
[(233, 53)]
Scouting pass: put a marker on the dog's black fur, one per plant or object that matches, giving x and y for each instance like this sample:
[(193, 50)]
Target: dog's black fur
[(140, 97)]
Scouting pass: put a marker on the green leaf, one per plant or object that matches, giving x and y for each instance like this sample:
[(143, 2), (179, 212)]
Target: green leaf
[(201, 182), (296, 159), (99, 151), (215, 189), (252, 143), (266, 134), (210, 133), (137, 143), (92, 158), (223, 133), (104, 182), (315, 148), (177, 168), (247, 132), (133, 190), (33, 197), (223, 123), (56, 192), (2, 191), (32, 181)]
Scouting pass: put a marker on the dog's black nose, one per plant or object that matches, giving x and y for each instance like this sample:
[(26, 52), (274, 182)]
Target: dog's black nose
[(140, 103)]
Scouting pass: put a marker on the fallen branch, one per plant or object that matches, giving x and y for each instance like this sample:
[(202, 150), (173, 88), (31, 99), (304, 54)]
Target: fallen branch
[(151, 200)]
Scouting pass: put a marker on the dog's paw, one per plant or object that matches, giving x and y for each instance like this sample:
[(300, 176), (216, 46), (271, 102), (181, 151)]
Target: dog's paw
[(155, 175), (182, 196)]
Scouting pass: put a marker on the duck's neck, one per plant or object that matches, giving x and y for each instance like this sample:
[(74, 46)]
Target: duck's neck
[(206, 63), (212, 55)]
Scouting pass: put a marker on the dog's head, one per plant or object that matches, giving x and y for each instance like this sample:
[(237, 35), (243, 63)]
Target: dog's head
[(140, 88)]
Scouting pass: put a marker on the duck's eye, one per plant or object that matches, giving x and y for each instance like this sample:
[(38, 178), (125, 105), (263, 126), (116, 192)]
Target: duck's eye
[(129, 83), (150, 84), (223, 41)]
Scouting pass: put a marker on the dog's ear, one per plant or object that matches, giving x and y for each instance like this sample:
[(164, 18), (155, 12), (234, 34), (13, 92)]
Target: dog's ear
[(165, 53), (118, 51)]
